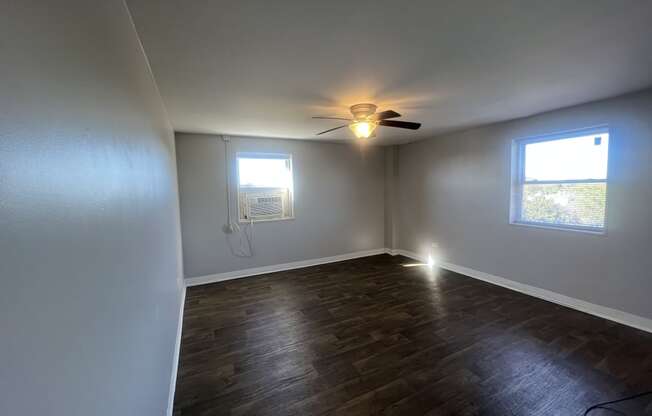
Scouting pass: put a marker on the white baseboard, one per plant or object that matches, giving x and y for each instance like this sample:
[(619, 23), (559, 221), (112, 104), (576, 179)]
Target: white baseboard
[(611, 314), (237, 274), (175, 355), (405, 253)]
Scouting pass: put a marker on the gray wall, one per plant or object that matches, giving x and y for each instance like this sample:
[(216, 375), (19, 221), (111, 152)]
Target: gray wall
[(454, 192), (391, 200), (89, 238), (338, 204)]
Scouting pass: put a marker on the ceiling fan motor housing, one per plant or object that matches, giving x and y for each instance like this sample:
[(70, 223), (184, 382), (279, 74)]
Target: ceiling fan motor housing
[(362, 111)]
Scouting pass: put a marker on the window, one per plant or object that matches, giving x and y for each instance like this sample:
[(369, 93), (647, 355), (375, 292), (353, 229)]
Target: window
[(561, 181), (265, 190)]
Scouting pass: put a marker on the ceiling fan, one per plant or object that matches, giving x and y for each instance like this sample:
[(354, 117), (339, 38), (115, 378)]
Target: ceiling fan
[(365, 120)]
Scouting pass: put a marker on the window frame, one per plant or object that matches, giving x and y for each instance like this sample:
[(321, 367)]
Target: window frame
[(518, 179), (264, 155)]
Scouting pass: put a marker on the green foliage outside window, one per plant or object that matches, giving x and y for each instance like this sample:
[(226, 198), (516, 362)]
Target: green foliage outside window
[(565, 203)]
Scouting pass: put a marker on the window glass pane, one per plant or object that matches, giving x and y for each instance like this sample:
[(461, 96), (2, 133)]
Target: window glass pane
[(578, 204), (582, 157), (264, 173)]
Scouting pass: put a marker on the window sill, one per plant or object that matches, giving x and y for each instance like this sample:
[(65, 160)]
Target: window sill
[(602, 232), (241, 221)]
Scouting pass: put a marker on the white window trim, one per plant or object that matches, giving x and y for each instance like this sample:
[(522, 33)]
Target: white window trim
[(518, 173), (264, 155)]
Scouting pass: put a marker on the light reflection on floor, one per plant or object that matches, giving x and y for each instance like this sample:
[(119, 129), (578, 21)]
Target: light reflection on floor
[(415, 265), (429, 268), (429, 263)]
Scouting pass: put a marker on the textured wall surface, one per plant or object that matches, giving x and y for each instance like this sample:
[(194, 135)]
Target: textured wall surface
[(90, 259)]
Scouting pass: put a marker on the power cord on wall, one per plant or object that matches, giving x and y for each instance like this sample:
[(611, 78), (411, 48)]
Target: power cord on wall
[(244, 241), (239, 240), (603, 404)]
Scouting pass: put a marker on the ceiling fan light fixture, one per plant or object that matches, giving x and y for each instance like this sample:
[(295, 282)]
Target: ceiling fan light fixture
[(363, 129), (366, 119)]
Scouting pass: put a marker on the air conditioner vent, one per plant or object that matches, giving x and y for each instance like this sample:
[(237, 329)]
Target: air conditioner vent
[(264, 204)]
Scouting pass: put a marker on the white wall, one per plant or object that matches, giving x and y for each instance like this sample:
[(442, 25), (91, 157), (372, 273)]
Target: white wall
[(338, 207), (454, 192), (89, 238)]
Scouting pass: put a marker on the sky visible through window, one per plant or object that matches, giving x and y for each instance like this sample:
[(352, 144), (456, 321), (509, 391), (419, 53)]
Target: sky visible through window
[(576, 158), (264, 173)]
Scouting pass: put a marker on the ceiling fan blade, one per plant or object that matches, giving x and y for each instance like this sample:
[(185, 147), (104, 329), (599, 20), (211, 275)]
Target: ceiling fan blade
[(333, 118), (335, 128), (384, 115), (400, 124)]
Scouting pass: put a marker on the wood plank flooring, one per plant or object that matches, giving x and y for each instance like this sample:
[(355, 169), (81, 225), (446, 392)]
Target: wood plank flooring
[(373, 337)]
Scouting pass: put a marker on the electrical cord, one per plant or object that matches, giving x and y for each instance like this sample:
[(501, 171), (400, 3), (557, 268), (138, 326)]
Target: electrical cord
[(601, 405), (612, 410), (244, 244)]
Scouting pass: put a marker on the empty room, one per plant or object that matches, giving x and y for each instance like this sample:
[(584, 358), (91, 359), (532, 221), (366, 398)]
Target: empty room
[(252, 208)]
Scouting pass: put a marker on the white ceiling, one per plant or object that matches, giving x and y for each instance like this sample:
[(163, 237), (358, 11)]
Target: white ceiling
[(264, 67)]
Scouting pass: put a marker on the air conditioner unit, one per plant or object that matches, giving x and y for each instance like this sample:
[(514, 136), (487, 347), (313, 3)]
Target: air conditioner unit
[(266, 205)]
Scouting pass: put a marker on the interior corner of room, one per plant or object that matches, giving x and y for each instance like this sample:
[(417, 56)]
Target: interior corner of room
[(446, 198), (247, 208)]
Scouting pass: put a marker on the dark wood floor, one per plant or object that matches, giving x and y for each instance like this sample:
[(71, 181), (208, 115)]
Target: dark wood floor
[(370, 336)]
